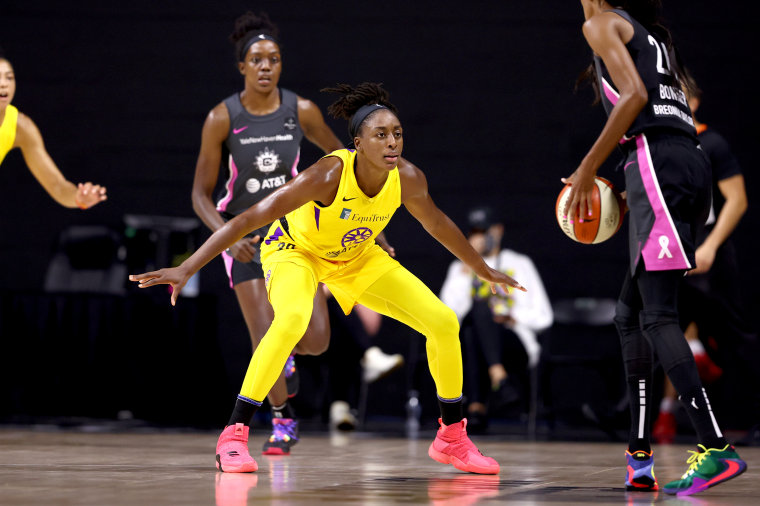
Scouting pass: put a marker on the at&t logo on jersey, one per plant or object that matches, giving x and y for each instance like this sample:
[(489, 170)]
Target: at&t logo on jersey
[(267, 160), (253, 185)]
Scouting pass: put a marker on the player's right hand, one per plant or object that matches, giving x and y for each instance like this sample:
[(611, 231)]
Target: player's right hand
[(176, 277), (245, 249)]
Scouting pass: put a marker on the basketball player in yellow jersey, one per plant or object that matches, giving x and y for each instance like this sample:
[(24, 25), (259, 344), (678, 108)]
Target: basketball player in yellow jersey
[(325, 219), (18, 131)]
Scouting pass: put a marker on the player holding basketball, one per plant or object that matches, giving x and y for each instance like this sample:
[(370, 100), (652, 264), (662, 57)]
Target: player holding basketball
[(330, 213), (256, 134), (668, 193), (17, 130)]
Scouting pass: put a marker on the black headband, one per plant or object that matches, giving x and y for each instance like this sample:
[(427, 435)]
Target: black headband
[(253, 40), (359, 116)]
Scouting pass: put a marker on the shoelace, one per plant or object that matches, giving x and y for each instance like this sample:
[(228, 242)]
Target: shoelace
[(695, 459), (283, 430)]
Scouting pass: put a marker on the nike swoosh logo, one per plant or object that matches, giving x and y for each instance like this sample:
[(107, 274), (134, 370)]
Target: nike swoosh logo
[(238, 130), (733, 467), (346, 200)]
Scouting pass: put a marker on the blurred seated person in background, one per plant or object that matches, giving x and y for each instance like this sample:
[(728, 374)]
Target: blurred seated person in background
[(352, 359), (709, 299), (498, 331)]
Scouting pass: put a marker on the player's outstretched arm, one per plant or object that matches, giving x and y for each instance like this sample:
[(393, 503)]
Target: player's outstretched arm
[(415, 197), (318, 182), (42, 167)]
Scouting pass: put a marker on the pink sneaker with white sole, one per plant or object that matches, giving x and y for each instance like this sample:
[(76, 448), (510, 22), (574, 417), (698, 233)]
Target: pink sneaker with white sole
[(453, 446), (232, 454)]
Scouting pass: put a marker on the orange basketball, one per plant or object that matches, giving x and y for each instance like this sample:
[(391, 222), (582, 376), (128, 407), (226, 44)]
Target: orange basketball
[(607, 212)]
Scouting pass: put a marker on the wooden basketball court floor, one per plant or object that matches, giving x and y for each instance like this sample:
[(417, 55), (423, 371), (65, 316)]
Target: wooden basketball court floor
[(156, 468)]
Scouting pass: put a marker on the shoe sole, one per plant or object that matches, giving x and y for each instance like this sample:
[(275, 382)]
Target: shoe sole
[(250, 467), (275, 451), (701, 487), (450, 459)]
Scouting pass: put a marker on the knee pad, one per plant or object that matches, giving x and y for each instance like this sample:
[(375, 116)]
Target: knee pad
[(653, 317), (625, 319)]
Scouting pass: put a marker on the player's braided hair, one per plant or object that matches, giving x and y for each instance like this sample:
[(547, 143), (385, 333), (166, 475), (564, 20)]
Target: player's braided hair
[(250, 24), (354, 98), (646, 12)]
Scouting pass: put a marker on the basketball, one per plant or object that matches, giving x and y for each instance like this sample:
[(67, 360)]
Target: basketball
[(607, 212)]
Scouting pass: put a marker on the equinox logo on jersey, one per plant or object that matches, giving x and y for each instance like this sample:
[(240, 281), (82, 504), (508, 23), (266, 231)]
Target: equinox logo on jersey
[(267, 160), (345, 214)]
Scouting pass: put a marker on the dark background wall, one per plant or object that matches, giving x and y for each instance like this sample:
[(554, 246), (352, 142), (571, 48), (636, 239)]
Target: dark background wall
[(485, 90)]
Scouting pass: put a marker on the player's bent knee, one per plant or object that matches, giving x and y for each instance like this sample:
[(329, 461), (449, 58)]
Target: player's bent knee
[(313, 343), (655, 318), (291, 323), (444, 322)]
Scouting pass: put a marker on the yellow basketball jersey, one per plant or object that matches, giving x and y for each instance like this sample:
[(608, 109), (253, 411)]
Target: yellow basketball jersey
[(346, 227), (8, 131)]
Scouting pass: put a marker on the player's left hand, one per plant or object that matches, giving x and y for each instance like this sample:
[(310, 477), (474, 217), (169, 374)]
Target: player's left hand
[(579, 203), (89, 194), (499, 281)]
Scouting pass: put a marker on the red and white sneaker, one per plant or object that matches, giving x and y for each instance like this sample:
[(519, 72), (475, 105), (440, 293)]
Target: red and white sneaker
[(232, 454), (452, 446)]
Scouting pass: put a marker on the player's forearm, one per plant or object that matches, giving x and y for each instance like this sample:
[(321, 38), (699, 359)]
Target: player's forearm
[(448, 234), (64, 192), (206, 210), (728, 219)]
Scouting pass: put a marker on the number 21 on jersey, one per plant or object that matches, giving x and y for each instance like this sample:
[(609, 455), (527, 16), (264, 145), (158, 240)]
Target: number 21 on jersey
[(661, 51)]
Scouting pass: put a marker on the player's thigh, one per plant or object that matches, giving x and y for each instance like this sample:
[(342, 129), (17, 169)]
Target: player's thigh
[(399, 294)]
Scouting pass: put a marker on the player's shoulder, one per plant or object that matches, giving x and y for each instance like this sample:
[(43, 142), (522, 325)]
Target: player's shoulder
[(407, 169), (605, 24), (26, 129), (327, 169)]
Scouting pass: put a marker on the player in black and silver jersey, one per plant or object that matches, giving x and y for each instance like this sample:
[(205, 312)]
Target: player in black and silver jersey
[(256, 135), (668, 193)]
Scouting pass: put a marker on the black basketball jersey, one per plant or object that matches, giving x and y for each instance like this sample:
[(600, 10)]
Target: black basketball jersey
[(262, 152), (667, 106)]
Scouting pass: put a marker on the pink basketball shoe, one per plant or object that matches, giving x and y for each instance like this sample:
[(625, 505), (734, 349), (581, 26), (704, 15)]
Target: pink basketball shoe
[(452, 446), (232, 454)]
